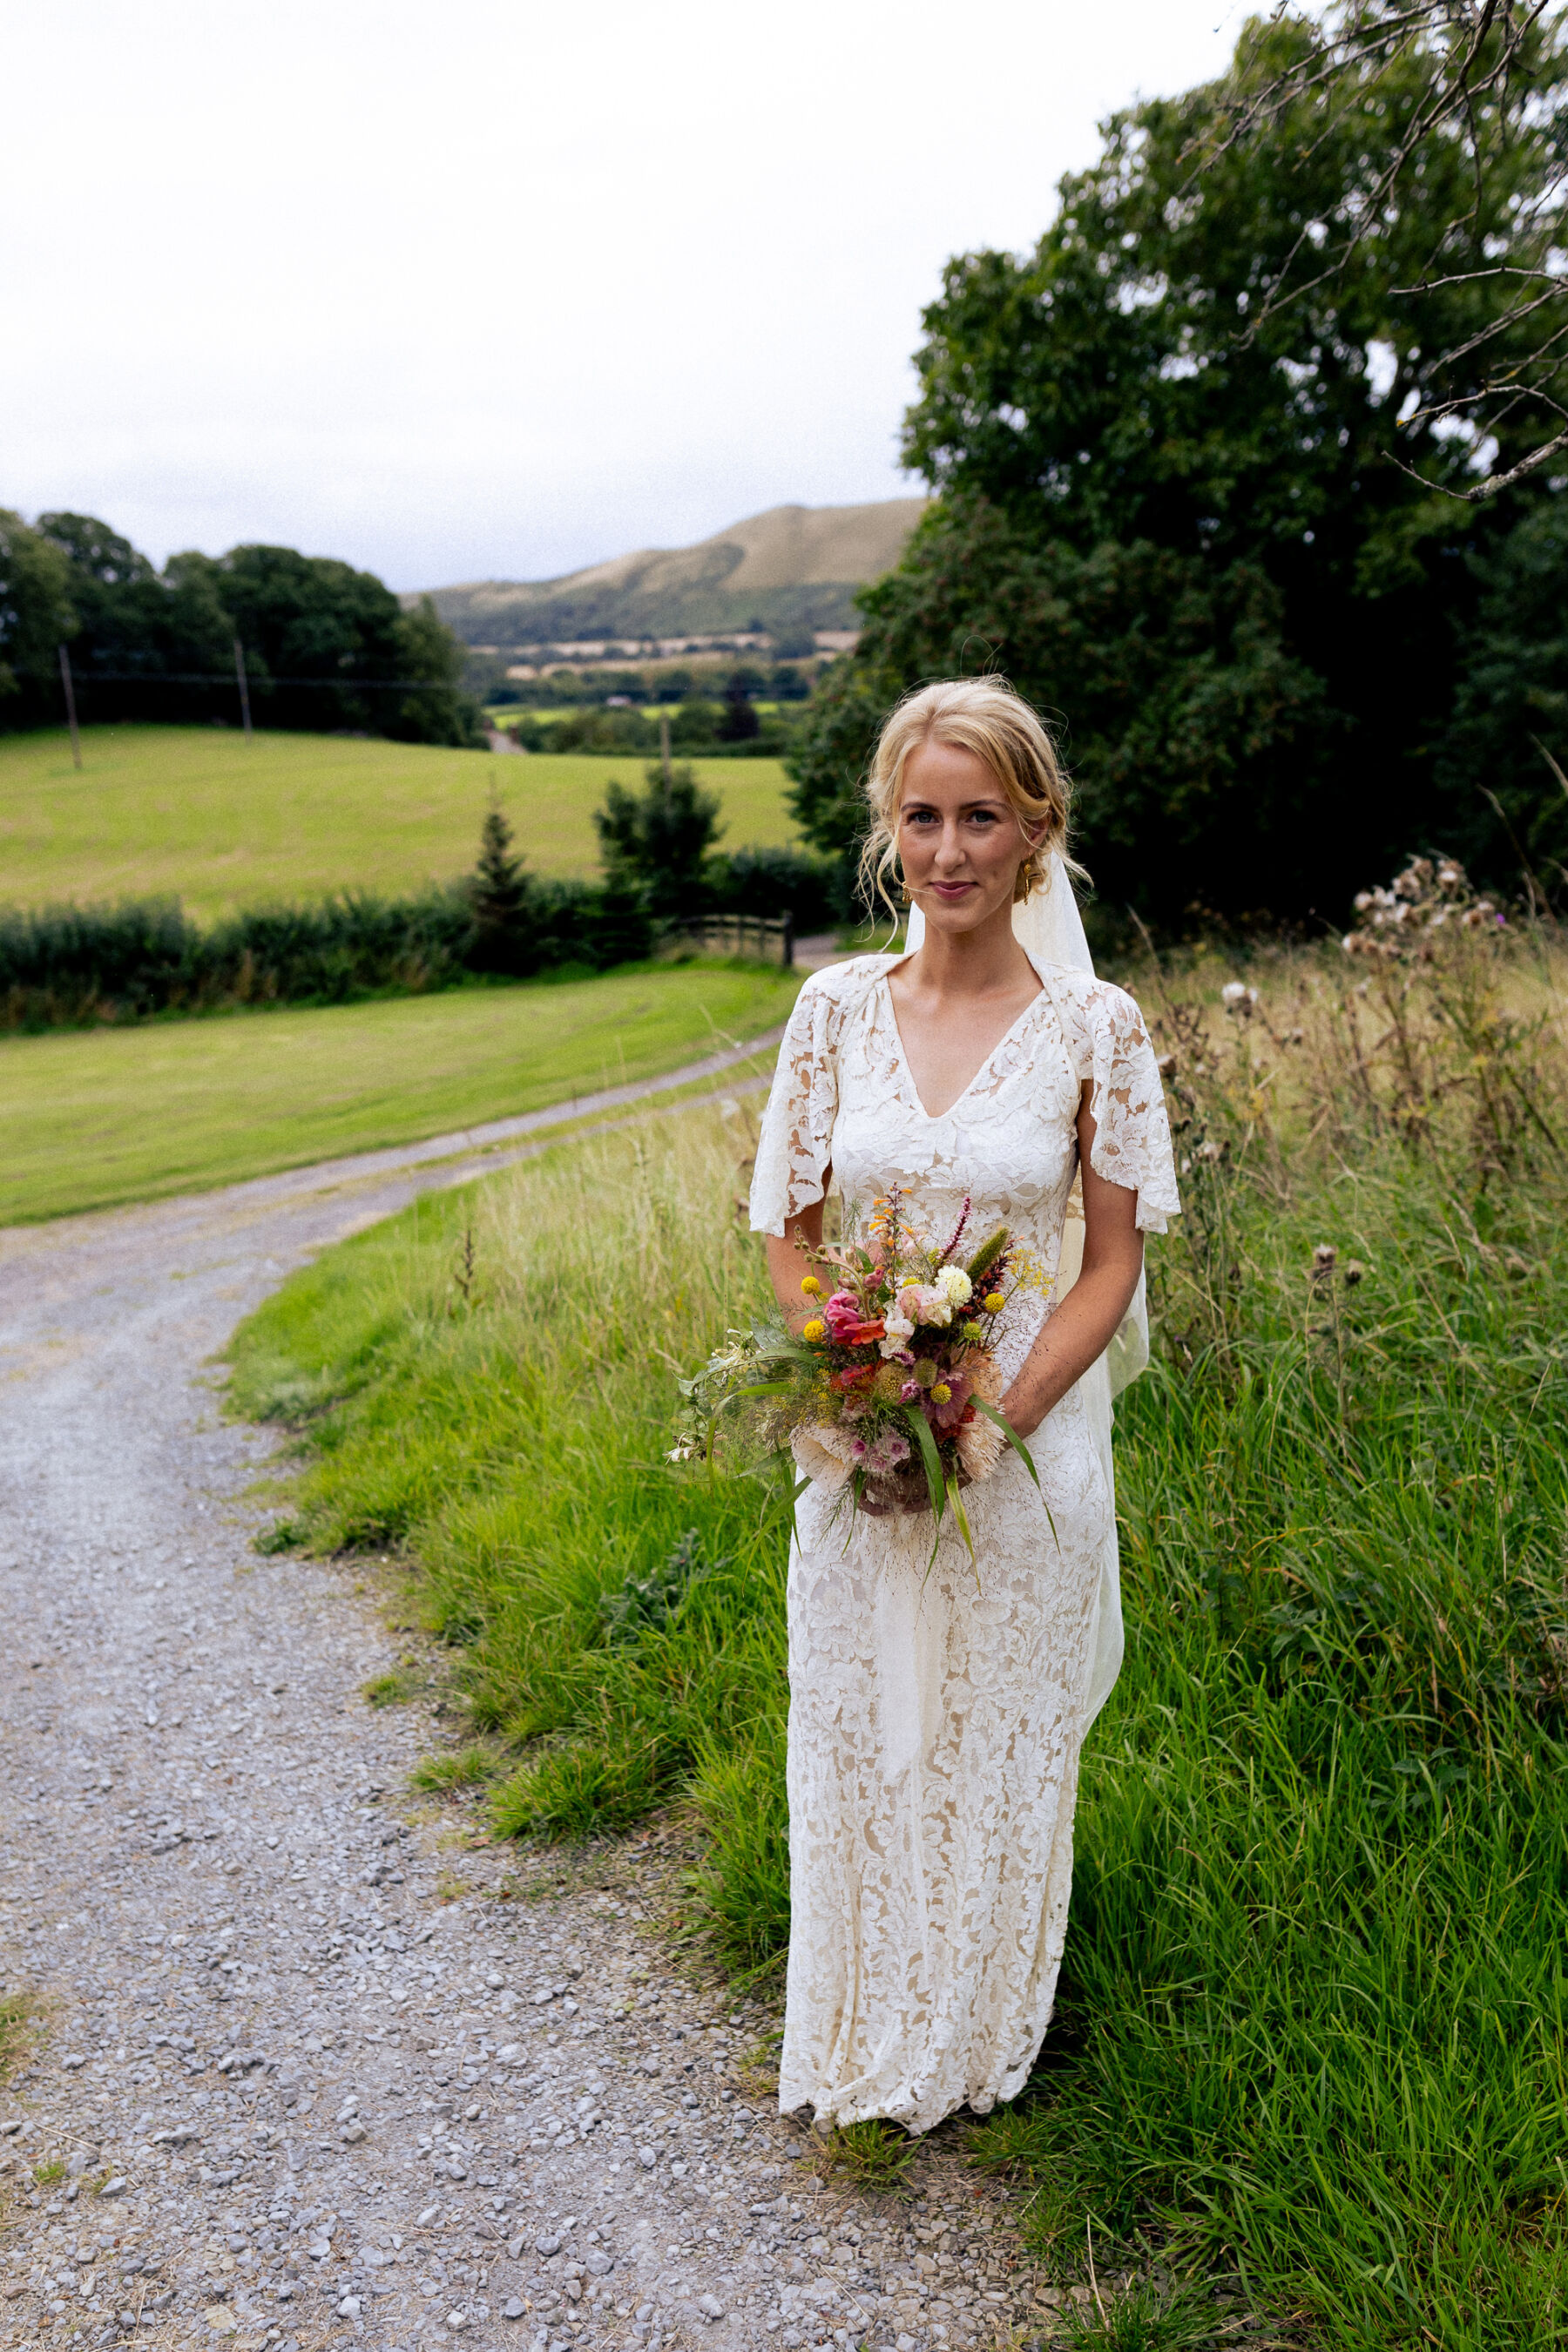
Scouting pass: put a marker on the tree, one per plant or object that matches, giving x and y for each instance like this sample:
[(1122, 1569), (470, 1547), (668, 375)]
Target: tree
[(330, 649), (439, 711), (738, 722), (1511, 713), (143, 646), (1185, 524), (1488, 78), (501, 896), (654, 842), (36, 616)]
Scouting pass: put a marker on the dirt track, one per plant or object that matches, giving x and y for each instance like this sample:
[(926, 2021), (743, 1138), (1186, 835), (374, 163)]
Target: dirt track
[(317, 2070)]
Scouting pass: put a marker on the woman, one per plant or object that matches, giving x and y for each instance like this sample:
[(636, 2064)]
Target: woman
[(936, 1717)]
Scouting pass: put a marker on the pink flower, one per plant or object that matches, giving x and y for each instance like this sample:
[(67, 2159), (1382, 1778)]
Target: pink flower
[(844, 1314)]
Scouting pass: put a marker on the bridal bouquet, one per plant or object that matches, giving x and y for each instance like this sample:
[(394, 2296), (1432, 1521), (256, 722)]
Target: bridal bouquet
[(888, 1392)]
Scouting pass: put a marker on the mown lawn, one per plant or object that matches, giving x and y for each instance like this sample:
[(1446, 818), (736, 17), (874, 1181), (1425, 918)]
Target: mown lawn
[(190, 812), (1312, 2033), (92, 1119)]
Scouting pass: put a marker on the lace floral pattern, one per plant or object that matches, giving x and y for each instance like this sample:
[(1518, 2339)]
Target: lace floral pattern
[(936, 1719)]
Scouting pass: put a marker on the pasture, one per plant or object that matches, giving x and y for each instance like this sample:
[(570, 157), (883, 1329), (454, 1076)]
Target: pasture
[(193, 813), (97, 1118)]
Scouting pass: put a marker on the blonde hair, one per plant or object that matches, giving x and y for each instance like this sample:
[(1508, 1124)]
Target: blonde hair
[(986, 716)]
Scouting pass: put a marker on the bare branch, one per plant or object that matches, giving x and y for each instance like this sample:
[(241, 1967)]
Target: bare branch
[(1466, 71)]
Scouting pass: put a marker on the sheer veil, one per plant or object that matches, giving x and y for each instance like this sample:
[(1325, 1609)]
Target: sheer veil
[(1049, 930)]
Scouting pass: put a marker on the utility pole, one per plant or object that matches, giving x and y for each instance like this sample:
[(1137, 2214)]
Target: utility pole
[(244, 687), (71, 707)]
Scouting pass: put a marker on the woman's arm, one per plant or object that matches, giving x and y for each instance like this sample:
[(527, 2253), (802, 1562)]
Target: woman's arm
[(788, 1262), (1090, 1316)]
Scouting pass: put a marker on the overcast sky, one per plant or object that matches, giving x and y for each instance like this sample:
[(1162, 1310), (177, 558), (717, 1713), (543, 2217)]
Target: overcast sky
[(495, 290)]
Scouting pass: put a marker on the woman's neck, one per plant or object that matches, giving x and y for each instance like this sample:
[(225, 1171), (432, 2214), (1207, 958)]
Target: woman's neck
[(986, 960)]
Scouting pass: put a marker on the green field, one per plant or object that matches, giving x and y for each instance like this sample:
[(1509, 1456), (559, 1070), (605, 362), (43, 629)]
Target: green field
[(94, 1118), (190, 811)]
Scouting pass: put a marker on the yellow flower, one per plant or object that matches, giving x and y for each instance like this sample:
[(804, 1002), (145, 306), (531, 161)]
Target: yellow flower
[(995, 1302), (815, 1329), (811, 1286), (942, 1393)]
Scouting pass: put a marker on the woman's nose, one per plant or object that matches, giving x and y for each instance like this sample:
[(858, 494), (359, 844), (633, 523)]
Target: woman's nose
[(949, 849)]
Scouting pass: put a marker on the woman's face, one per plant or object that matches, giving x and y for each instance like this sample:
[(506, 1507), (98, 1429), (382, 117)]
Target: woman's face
[(960, 843)]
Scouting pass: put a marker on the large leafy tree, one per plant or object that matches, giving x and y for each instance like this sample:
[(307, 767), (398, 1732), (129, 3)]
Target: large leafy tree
[(142, 647), (1185, 520), (325, 646), (35, 617), (329, 648), (1503, 764)]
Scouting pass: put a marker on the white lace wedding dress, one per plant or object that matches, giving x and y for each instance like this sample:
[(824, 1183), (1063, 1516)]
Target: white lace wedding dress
[(935, 1722)]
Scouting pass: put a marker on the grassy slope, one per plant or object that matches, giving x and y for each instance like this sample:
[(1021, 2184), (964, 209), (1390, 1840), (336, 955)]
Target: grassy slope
[(1311, 2020), (189, 811), (96, 1118)]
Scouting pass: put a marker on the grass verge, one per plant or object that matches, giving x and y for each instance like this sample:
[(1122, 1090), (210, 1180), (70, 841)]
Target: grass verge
[(195, 812), (96, 1118), (1312, 2024)]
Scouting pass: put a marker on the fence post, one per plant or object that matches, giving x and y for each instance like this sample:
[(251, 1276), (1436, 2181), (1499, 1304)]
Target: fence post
[(787, 945), (244, 687), (71, 707)]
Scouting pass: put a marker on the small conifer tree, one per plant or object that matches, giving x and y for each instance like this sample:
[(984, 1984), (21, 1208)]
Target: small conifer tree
[(500, 892)]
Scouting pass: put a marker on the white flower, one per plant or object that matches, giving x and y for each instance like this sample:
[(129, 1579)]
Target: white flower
[(955, 1286), (899, 1328), (1233, 991)]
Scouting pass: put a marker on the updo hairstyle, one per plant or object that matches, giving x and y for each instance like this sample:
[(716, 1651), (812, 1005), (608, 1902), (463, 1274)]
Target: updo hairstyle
[(982, 715)]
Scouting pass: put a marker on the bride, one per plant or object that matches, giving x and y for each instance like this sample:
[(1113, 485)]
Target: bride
[(936, 1719)]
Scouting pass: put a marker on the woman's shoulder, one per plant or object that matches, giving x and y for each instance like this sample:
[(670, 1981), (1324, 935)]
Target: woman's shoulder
[(1095, 1007), (838, 988)]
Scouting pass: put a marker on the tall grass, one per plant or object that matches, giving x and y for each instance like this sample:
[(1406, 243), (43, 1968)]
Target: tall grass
[(1311, 2022), (514, 1439)]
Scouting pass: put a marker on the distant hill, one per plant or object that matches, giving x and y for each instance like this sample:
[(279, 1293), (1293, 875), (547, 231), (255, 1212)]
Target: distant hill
[(791, 568)]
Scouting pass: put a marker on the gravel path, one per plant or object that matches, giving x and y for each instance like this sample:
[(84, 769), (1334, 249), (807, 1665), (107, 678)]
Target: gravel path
[(312, 2066)]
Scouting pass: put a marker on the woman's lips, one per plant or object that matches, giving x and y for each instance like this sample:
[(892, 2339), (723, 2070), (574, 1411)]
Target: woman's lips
[(951, 889)]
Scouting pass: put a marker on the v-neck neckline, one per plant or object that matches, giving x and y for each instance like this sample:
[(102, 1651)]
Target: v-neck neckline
[(934, 1118)]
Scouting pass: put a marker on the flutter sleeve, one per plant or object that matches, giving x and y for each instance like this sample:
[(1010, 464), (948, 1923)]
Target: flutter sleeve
[(1127, 1102), (796, 1141)]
